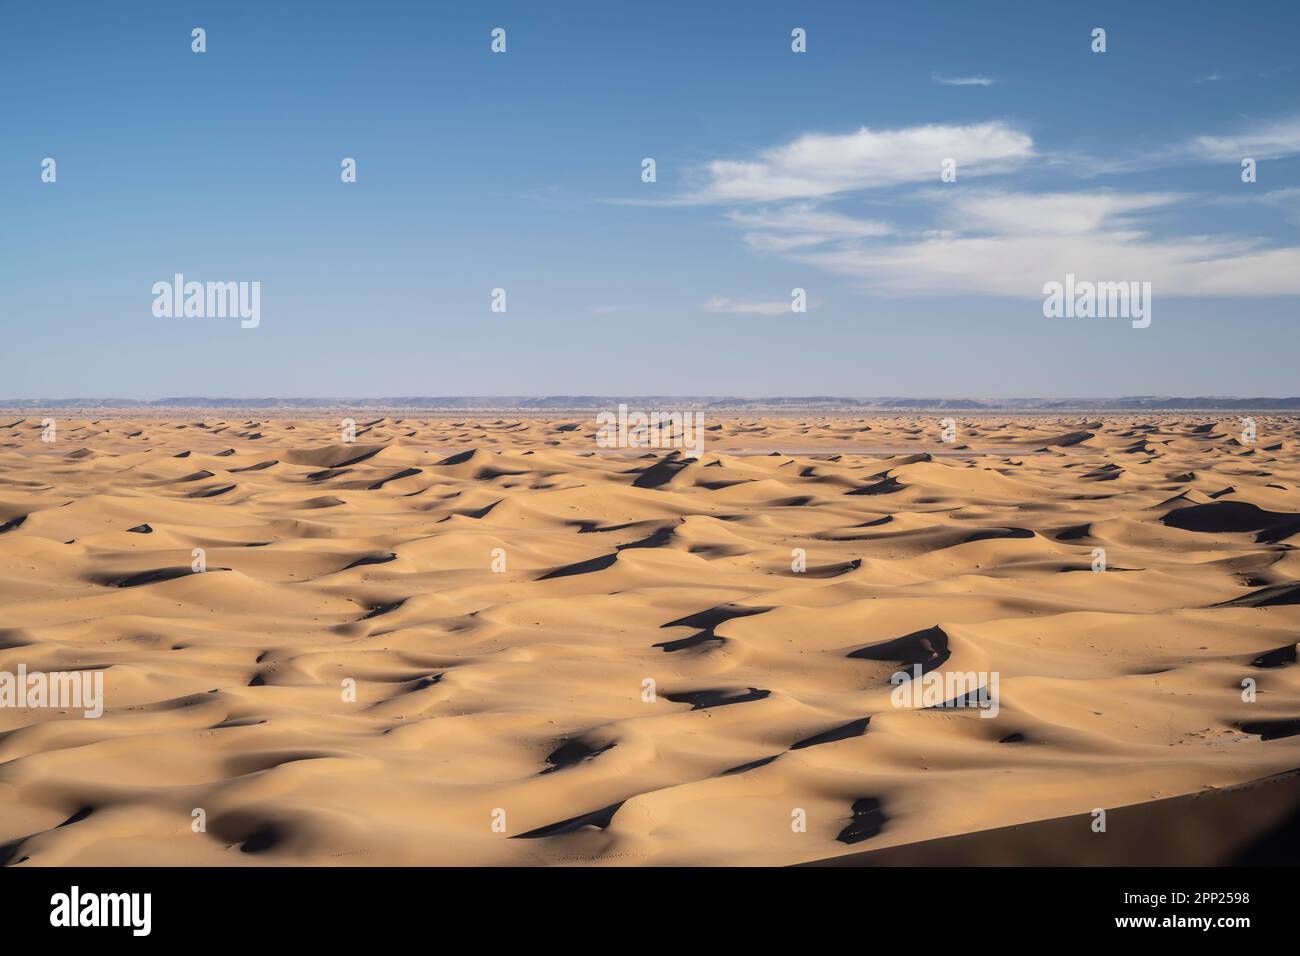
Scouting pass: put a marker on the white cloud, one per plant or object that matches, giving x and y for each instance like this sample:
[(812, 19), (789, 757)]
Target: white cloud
[(962, 80), (1271, 140), (743, 307), (801, 225), (818, 165), (1011, 243), (1036, 214), (973, 240)]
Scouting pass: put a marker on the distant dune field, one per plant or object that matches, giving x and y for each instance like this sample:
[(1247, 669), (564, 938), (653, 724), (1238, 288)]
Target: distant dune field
[(490, 641)]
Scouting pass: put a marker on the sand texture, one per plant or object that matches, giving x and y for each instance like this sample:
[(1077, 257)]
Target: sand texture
[(501, 714)]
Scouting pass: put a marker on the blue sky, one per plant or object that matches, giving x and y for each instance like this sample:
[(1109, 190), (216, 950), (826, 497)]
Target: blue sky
[(775, 170)]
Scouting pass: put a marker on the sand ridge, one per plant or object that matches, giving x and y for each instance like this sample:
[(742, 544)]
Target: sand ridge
[(480, 689)]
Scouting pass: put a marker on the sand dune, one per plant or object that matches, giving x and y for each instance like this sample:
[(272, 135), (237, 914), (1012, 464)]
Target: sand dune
[(500, 593)]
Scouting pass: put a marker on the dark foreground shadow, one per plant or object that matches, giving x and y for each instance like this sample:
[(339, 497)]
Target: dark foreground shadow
[(1252, 824)]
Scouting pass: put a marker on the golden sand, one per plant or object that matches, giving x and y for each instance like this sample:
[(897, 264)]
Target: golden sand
[(500, 592)]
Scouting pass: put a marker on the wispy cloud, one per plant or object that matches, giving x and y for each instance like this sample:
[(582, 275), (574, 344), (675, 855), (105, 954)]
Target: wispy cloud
[(1288, 196), (793, 200), (1003, 243), (818, 165), (976, 80), (1287, 200), (1271, 140), (1003, 213), (801, 225), (747, 307)]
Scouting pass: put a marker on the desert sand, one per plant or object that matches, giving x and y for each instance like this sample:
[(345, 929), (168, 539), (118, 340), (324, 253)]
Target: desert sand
[(501, 715)]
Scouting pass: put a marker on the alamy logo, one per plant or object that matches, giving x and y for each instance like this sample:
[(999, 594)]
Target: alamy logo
[(1102, 300), (968, 689), (103, 909), (59, 690), (654, 429), (216, 300)]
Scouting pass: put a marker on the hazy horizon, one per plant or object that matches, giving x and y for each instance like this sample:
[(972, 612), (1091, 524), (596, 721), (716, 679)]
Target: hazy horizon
[(582, 403)]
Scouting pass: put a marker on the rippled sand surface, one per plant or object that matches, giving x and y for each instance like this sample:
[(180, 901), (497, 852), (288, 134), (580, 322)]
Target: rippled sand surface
[(566, 655)]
